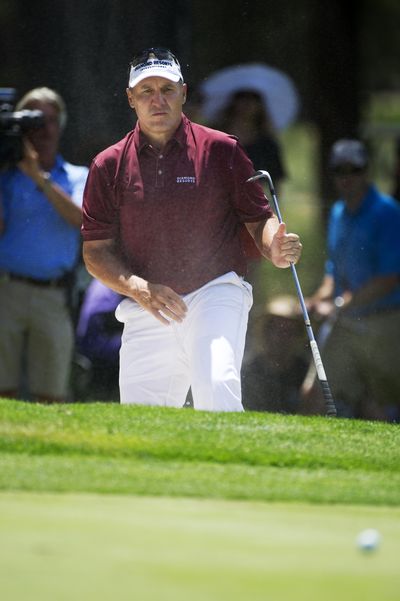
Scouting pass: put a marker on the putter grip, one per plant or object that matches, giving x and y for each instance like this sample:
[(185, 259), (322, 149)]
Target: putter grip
[(329, 402)]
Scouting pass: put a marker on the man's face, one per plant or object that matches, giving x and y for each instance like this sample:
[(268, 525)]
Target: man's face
[(350, 181), (158, 105), (45, 139)]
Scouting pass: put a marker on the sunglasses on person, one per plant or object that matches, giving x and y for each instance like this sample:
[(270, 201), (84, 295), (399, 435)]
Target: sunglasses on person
[(345, 171), (162, 54)]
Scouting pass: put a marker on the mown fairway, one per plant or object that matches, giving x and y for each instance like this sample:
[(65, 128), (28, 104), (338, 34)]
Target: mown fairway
[(63, 538)]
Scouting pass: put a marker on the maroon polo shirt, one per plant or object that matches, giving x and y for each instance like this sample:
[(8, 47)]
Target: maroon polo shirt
[(176, 214)]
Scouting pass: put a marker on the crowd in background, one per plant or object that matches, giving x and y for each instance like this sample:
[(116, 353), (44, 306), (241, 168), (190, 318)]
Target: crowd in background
[(60, 340)]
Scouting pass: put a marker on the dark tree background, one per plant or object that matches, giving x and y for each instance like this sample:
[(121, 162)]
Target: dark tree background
[(336, 51)]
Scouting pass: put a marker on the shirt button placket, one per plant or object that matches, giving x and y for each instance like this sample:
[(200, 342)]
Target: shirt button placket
[(160, 171)]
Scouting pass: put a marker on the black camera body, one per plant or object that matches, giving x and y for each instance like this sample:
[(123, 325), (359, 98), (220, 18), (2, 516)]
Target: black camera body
[(13, 126)]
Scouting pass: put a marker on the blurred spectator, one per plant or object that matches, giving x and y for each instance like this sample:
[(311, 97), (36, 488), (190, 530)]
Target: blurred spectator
[(272, 377), (360, 293), (98, 340), (40, 200), (245, 116)]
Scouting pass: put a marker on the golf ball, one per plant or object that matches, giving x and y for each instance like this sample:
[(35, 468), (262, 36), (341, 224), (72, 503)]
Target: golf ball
[(368, 540)]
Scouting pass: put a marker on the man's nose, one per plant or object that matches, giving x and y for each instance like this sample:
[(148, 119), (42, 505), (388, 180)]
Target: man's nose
[(47, 126), (158, 98), (50, 123)]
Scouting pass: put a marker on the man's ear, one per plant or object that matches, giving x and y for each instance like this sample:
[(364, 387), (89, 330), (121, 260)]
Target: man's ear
[(184, 93), (130, 98)]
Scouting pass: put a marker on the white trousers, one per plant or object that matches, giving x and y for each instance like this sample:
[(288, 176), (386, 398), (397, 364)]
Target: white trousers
[(159, 363)]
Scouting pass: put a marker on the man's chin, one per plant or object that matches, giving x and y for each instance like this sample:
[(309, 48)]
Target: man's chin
[(164, 123), (43, 145), (160, 121)]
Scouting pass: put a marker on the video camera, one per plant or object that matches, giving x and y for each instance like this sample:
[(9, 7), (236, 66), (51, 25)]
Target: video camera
[(13, 126)]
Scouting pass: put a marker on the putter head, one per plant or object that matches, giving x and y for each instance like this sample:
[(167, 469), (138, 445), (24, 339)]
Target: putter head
[(258, 175)]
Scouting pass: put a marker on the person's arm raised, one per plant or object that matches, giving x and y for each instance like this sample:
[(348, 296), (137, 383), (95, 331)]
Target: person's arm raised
[(60, 200)]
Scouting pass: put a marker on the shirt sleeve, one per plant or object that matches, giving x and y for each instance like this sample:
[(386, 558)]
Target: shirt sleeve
[(99, 220), (249, 199), (79, 186)]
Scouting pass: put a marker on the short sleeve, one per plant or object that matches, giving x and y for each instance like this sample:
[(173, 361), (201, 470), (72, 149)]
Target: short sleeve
[(100, 217)]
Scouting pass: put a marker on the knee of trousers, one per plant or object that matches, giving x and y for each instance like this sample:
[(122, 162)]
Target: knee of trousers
[(218, 393)]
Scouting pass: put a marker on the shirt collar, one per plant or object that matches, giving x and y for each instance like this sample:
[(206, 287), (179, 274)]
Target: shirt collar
[(181, 135), (59, 163)]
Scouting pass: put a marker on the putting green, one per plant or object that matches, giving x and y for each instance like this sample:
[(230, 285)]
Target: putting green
[(81, 547)]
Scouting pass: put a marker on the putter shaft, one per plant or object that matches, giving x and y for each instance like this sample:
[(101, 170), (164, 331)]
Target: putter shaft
[(329, 401)]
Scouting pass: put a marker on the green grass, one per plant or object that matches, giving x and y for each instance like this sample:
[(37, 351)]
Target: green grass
[(101, 501), (98, 548), (109, 448)]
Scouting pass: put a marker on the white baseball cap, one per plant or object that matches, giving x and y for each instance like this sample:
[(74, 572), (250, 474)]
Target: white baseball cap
[(155, 64)]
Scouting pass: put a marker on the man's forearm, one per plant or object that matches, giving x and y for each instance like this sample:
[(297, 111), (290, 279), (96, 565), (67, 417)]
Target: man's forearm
[(326, 289), (262, 233), (373, 290), (60, 200), (274, 243), (105, 263)]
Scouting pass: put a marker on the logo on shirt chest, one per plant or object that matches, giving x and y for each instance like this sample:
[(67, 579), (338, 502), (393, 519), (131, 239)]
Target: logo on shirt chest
[(186, 179)]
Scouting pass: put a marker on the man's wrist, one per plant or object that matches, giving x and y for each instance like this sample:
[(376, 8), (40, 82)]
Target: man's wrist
[(45, 181), (339, 302)]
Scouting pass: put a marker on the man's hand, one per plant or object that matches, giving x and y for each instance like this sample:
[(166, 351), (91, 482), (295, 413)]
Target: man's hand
[(320, 309), (103, 261), (30, 162), (285, 248), (161, 301)]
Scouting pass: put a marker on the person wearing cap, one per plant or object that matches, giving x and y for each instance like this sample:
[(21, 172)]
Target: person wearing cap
[(40, 219), (161, 219), (359, 296)]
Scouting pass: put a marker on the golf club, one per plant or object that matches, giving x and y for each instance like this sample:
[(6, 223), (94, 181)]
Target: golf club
[(328, 398)]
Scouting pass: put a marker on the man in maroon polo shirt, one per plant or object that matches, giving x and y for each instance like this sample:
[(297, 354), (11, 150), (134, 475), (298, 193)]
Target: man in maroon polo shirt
[(163, 209)]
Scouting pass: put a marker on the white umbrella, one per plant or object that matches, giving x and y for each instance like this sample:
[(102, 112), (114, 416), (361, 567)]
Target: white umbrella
[(275, 87)]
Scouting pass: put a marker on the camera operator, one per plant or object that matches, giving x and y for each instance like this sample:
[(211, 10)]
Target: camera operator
[(40, 218)]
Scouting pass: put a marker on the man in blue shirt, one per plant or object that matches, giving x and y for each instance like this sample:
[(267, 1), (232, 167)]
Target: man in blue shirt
[(40, 219), (360, 292)]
